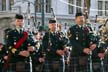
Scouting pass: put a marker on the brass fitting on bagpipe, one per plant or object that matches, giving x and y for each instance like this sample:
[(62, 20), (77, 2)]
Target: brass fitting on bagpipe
[(103, 31)]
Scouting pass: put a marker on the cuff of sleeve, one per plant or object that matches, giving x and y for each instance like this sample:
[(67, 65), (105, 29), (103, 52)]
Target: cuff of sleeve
[(81, 50), (16, 53), (54, 50)]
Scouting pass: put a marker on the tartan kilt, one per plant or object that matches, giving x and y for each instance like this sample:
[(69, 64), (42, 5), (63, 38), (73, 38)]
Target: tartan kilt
[(106, 62), (82, 64), (19, 67), (37, 67), (79, 64), (2, 67), (53, 66)]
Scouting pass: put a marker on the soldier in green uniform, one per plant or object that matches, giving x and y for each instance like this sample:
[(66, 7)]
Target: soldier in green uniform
[(98, 52), (80, 45), (3, 57), (20, 46), (53, 49), (37, 55)]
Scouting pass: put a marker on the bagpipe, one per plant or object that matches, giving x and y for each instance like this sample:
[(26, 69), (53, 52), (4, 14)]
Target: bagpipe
[(60, 34), (100, 38), (103, 32), (62, 37), (102, 41)]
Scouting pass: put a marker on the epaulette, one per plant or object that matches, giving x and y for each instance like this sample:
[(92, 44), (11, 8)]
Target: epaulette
[(7, 31)]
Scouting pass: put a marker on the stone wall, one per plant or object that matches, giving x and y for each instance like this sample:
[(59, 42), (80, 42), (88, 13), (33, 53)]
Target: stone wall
[(5, 22)]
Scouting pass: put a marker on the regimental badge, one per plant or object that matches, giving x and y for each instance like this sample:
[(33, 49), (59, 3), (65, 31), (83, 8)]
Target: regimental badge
[(14, 43), (29, 44), (13, 50), (76, 38), (10, 47), (38, 45)]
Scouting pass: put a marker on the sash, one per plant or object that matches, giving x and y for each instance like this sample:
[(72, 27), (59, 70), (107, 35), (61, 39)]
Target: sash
[(18, 44)]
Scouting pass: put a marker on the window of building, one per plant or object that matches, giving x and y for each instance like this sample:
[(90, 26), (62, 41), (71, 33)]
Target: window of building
[(71, 8), (3, 5), (106, 8), (48, 6), (11, 3), (78, 3), (100, 5), (38, 6), (103, 5)]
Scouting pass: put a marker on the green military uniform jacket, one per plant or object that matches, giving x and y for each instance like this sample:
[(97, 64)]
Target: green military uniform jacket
[(78, 39), (51, 43), (12, 38)]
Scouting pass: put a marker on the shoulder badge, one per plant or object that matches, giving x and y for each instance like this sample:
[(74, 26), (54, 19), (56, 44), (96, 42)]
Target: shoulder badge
[(69, 34)]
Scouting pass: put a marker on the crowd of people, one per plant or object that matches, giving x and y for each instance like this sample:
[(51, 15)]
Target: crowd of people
[(79, 50)]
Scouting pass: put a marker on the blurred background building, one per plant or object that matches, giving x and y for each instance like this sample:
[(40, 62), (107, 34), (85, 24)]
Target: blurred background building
[(38, 12)]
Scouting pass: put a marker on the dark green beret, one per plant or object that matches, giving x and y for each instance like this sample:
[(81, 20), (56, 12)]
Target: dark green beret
[(79, 14), (18, 16)]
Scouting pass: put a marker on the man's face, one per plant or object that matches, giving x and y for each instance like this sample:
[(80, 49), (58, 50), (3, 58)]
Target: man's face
[(1, 46), (19, 22), (79, 20), (52, 26)]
